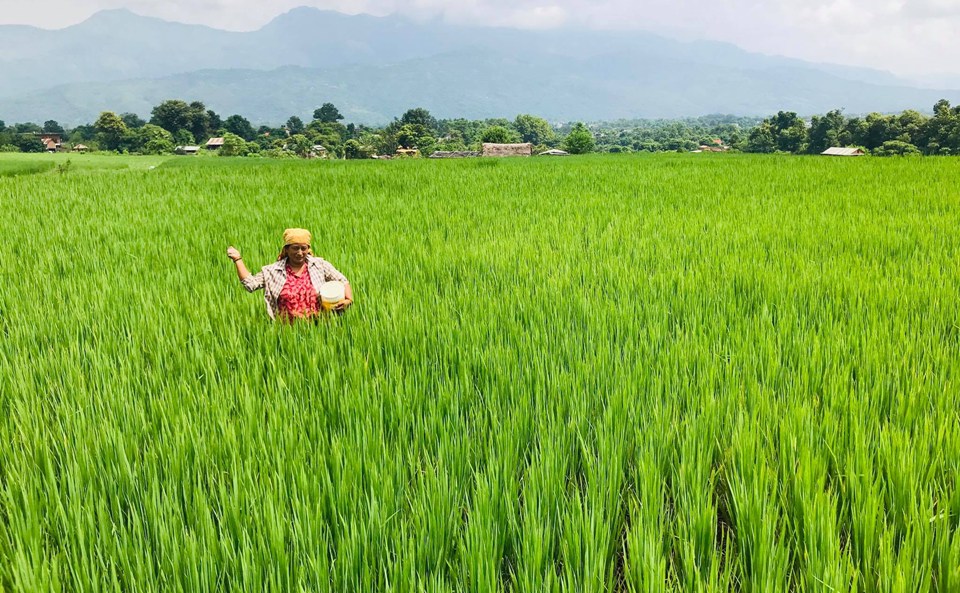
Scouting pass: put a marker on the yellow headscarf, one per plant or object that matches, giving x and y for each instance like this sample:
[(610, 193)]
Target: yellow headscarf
[(291, 236)]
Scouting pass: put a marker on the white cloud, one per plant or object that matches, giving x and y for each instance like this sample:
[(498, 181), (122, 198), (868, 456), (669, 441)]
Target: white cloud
[(909, 37)]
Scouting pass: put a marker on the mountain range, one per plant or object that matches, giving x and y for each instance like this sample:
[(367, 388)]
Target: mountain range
[(374, 68)]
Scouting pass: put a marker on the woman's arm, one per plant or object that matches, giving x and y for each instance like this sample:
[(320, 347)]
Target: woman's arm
[(242, 272), (250, 282), (347, 298)]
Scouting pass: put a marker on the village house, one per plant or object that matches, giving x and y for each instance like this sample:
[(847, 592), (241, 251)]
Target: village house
[(839, 151), (51, 142), (715, 145), (81, 148), (505, 150), (215, 144), (187, 150)]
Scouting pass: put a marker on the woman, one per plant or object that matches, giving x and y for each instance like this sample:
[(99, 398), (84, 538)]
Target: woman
[(290, 285)]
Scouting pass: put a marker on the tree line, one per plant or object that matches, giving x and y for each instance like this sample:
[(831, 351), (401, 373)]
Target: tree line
[(177, 123)]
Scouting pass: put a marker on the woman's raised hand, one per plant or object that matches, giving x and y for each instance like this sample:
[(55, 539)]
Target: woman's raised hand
[(233, 254)]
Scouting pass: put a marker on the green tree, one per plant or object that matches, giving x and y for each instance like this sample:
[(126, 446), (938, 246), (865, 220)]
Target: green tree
[(499, 135), (826, 131), (580, 140), (172, 115), (761, 139), (789, 131), (83, 134), (111, 130), (214, 122), (453, 140), (52, 127), (327, 113), (942, 132), (233, 145), (896, 148), (419, 116), (469, 131), (913, 124), (353, 149), (152, 139), (239, 125), (299, 145), (184, 138), (27, 128), (201, 121), (132, 120), (416, 136), (330, 135), (295, 125), (533, 129), (28, 143)]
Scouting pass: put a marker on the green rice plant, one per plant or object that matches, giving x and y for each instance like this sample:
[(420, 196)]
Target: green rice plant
[(603, 373)]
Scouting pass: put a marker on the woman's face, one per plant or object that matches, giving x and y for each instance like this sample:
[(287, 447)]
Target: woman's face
[(297, 253)]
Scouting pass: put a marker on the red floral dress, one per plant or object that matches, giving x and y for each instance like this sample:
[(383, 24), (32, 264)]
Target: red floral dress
[(298, 299)]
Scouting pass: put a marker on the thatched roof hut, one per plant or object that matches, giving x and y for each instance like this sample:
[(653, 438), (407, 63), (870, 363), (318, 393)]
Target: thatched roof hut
[(501, 150)]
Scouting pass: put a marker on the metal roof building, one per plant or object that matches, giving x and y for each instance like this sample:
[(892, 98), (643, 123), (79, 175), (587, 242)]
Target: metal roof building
[(837, 151)]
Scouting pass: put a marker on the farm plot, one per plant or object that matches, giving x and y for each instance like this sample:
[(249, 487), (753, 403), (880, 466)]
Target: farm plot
[(665, 373)]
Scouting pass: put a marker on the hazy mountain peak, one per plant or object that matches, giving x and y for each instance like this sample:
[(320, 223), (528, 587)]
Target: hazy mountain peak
[(373, 68), (115, 16)]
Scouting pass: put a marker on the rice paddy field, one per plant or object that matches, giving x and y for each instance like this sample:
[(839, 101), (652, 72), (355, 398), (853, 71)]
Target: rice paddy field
[(695, 373)]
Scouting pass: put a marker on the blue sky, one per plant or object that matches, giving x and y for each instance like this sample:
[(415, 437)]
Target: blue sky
[(915, 39)]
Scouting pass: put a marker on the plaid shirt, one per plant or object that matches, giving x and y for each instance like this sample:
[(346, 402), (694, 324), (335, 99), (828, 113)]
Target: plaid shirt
[(271, 279)]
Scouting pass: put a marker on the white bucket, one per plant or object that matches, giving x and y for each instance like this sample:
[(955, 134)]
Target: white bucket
[(331, 293)]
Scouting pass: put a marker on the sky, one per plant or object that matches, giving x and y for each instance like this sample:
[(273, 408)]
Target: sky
[(916, 39)]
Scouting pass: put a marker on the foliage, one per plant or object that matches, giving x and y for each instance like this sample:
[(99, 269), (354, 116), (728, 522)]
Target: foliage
[(419, 117), (176, 116), (353, 149), (172, 115), (416, 136), (184, 138), (239, 125), (111, 131), (535, 130), (233, 145), (499, 135), (580, 140), (761, 139), (132, 120), (51, 126), (327, 113), (896, 148), (192, 123), (151, 139), (299, 145), (826, 131), (28, 143), (295, 125)]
